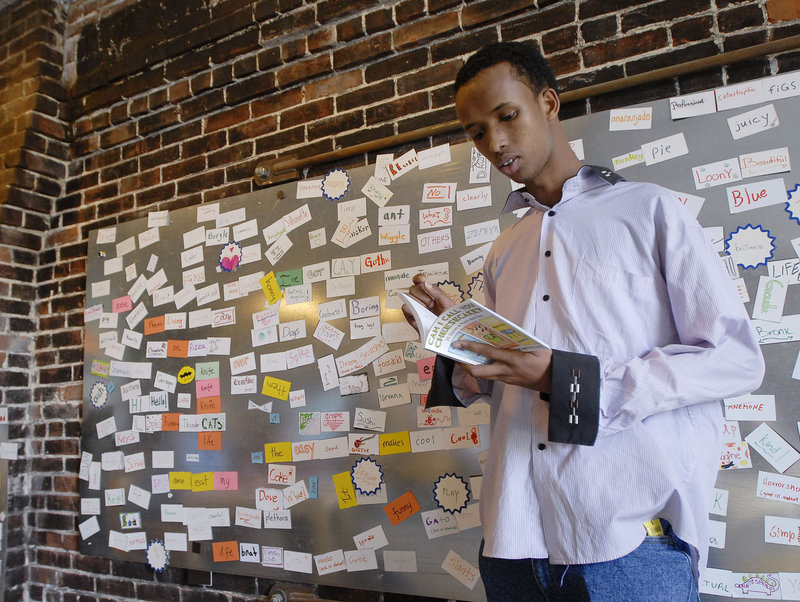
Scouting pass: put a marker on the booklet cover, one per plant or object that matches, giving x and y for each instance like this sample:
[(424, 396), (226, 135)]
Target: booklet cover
[(469, 321)]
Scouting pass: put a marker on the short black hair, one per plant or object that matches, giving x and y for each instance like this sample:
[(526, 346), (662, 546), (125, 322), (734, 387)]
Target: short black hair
[(525, 58)]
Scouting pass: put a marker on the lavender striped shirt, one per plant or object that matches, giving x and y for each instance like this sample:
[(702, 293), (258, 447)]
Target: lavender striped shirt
[(624, 273)]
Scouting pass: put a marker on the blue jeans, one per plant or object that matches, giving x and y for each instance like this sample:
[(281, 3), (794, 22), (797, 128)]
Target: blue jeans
[(661, 569)]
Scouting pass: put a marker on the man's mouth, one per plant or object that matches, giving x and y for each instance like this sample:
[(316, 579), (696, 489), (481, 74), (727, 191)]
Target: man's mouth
[(509, 166)]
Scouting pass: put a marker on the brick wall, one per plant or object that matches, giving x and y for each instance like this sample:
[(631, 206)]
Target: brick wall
[(35, 371), (110, 109)]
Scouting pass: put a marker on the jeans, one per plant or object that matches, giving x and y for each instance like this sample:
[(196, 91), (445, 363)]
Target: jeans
[(660, 569)]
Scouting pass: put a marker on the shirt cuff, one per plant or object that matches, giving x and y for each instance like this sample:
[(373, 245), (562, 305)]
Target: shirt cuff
[(441, 391), (574, 398)]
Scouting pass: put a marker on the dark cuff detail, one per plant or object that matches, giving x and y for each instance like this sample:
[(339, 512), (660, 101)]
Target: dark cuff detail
[(574, 398), (441, 391)]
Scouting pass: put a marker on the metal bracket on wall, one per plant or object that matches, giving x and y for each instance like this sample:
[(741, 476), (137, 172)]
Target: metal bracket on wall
[(276, 171), (293, 593), (285, 169)]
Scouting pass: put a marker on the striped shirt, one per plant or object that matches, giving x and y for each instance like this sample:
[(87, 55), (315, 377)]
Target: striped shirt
[(626, 274)]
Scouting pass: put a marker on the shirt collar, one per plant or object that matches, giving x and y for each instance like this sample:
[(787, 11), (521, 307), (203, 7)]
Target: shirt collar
[(586, 179)]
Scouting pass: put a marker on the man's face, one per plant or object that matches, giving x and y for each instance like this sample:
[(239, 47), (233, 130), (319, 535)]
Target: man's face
[(508, 122)]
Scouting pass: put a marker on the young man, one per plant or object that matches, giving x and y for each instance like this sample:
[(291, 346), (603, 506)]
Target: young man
[(604, 451)]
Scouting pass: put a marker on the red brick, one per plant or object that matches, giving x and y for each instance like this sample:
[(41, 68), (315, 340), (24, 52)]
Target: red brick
[(387, 111), (333, 86), (360, 52), (209, 179), (536, 22), (560, 39), (182, 168), (251, 87), (440, 73), (692, 30), (365, 95), (276, 102), (253, 129), (425, 30), (379, 20), (329, 10), (230, 154), (408, 10), (489, 11), (395, 65), (782, 10), (155, 195), (117, 135), (307, 112), (302, 70), (739, 18), (624, 47), (227, 118), (293, 49), (179, 91), (322, 39)]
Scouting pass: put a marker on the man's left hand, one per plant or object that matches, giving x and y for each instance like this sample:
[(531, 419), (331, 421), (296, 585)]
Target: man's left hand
[(530, 369)]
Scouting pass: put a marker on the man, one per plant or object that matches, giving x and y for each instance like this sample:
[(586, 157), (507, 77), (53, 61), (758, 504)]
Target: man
[(605, 450)]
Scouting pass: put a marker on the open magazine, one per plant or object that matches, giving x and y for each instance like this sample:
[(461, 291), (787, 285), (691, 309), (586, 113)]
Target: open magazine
[(468, 321)]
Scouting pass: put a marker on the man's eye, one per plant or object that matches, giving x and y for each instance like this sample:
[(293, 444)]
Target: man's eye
[(508, 116), (477, 135)]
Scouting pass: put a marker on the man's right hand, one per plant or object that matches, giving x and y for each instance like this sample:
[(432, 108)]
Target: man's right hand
[(430, 296)]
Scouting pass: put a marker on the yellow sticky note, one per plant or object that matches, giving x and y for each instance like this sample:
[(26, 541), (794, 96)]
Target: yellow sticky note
[(275, 387), (394, 443), (345, 491), (278, 452), (271, 289), (203, 481), (180, 480)]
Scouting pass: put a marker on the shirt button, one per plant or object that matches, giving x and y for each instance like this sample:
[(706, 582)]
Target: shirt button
[(551, 213), (547, 253), (542, 446), (546, 298)]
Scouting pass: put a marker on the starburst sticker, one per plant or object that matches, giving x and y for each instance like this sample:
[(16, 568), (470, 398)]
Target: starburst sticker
[(99, 395), (750, 246), (335, 184), (230, 256), (367, 476), (452, 290), (451, 493), (793, 204), (475, 288), (157, 555)]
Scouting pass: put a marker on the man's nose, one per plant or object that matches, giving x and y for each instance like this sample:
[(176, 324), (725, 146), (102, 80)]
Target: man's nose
[(497, 141)]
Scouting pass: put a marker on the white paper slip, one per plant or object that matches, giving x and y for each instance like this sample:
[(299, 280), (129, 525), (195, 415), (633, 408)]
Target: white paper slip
[(630, 119), (690, 105), (665, 149), (770, 298), (772, 447), (739, 95), (754, 195), (400, 561), (460, 569), (765, 162), (779, 487), (782, 530), (750, 407), (717, 173), (753, 122)]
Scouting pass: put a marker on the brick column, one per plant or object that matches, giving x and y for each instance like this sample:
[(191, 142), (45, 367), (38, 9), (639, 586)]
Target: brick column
[(33, 154)]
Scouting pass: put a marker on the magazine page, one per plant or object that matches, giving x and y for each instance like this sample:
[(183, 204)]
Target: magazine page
[(469, 321)]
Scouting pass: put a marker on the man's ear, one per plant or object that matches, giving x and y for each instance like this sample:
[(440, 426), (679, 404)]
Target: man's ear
[(551, 103)]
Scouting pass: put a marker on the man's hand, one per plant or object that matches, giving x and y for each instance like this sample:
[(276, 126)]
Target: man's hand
[(430, 296), (530, 369)]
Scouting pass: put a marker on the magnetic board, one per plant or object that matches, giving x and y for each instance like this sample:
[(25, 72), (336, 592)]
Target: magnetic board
[(308, 443)]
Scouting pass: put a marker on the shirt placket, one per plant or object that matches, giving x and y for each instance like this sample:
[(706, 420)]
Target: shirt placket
[(541, 315)]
